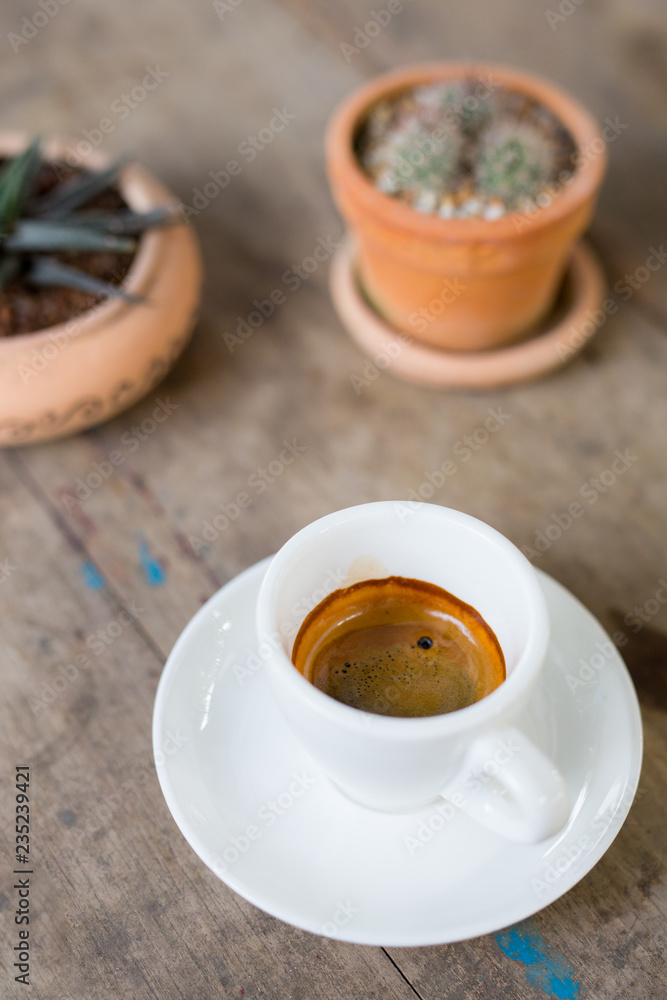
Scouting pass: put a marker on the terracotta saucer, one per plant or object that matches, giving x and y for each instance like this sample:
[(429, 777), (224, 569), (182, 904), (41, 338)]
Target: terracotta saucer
[(569, 326)]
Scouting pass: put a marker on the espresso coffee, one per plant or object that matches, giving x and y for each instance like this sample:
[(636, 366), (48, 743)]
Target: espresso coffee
[(400, 647)]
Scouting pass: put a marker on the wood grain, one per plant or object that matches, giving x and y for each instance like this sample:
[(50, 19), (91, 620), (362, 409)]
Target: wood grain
[(122, 905)]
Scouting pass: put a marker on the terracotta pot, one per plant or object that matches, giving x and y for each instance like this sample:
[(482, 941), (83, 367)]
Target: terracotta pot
[(483, 283), (71, 376)]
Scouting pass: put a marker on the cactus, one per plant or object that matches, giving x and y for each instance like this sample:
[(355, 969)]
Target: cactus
[(514, 162), (415, 152), (438, 103), (440, 148), (476, 112), (454, 103), (420, 160)]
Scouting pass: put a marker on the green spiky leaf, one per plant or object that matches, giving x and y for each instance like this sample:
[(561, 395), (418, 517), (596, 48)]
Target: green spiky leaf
[(126, 223), (16, 179), (47, 271), (77, 191), (47, 236)]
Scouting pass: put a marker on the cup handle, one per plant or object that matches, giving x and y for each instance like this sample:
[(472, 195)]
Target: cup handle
[(510, 786)]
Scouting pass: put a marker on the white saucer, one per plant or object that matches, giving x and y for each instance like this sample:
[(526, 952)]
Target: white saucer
[(259, 813)]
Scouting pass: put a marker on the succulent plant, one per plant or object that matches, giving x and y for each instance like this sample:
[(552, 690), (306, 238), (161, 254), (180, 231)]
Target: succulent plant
[(443, 148), (454, 102), (33, 227), (515, 161), (476, 112), (415, 160), (438, 102)]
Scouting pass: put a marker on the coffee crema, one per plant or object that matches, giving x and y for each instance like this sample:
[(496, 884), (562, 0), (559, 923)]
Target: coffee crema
[(400, 647)]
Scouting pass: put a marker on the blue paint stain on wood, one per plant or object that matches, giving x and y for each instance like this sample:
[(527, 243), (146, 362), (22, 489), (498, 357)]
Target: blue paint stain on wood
[(92, 577), (153, 569), (547, 971)]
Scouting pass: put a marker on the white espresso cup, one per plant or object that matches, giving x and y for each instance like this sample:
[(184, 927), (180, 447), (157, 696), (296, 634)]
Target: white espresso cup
[(474, 757)]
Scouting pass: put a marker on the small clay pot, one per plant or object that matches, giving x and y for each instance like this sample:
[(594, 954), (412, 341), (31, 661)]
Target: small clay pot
[(71, 376), (483, 283)]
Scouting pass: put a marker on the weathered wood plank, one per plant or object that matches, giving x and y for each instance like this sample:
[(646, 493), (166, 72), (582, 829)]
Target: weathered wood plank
[(120, 905), (145, 525), (124, 905)]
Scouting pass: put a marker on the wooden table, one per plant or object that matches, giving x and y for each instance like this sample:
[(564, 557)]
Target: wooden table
[(121, 906)]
